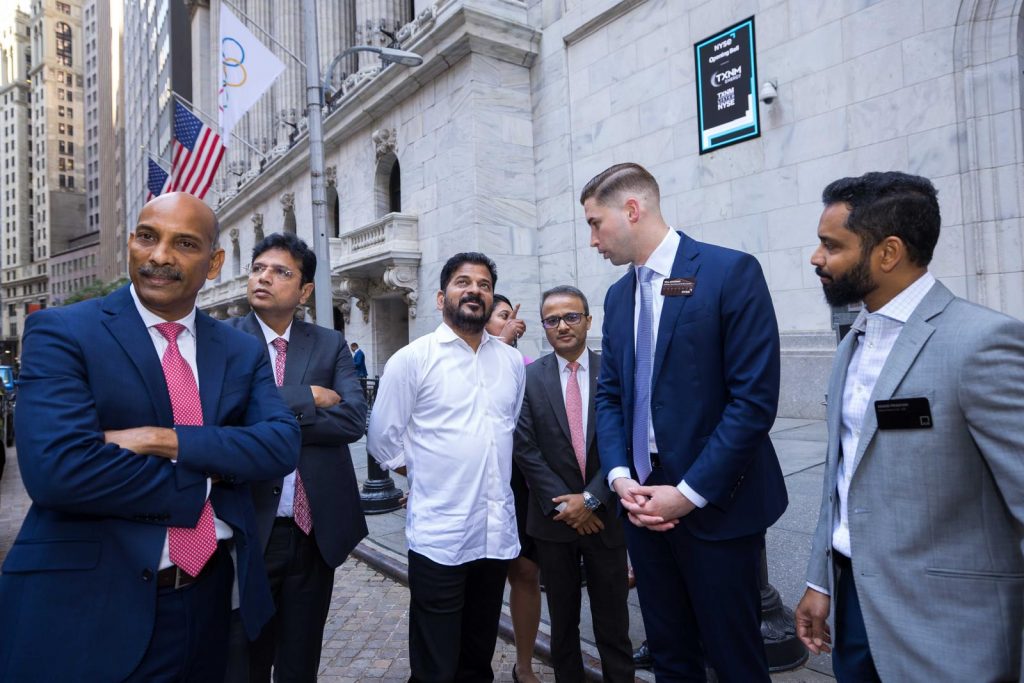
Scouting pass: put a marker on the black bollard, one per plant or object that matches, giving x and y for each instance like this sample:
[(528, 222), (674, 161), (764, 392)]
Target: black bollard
[(379, 493), (778, 628)]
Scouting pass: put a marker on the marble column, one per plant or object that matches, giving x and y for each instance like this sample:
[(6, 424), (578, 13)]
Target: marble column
[(288, 89), (337, 19), (373, 15)]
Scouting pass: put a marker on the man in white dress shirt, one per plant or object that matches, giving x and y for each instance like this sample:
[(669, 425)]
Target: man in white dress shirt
[(919, 537), (445, 414)]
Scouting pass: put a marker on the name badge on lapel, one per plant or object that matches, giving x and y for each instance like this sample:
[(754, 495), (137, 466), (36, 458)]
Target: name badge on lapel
[(678, 286), (904, 413)]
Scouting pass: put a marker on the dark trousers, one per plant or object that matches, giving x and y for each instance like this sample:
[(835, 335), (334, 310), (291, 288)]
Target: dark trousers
[(700, 600), (290, 642), (453, 618), (190, 634), (608, 591), (851, 656)]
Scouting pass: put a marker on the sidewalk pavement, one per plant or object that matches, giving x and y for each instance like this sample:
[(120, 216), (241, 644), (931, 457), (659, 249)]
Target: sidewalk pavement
[(800, 445), (367, 628)]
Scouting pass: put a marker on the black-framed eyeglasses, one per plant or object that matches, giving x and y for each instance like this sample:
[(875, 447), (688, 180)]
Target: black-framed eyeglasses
[(279, 272), (571, 319)]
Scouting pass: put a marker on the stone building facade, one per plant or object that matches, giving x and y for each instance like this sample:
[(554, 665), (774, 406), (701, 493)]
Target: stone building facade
[(519, 102)]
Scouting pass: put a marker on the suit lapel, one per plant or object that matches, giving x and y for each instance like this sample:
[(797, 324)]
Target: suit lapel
[(126, 326), (300, 350), (211, 361), (621, 318), (593, 372), (553, 388), (834, 409), (686, 264), (908, 345)]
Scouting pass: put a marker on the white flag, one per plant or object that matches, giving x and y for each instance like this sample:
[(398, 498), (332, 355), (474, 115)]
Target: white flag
[(247, 70)]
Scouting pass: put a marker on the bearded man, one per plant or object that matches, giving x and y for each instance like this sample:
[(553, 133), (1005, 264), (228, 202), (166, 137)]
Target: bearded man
[(446, 412)]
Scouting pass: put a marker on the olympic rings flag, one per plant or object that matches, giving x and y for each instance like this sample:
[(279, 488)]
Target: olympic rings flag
[(247, 70)]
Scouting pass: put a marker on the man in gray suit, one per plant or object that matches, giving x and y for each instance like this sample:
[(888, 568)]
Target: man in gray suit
[(309, 521), (572, 511), (919, 539)]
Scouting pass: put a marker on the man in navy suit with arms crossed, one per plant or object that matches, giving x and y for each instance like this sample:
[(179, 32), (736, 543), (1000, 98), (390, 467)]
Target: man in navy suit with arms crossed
[(140, 419), (687, 394)]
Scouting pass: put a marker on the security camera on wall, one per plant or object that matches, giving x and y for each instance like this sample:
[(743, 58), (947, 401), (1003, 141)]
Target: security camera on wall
[(768, 92)]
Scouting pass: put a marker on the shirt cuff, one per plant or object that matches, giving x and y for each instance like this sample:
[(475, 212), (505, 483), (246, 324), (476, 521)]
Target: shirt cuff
[(616, 473), (816, 587), (691, 495), (394, 463)]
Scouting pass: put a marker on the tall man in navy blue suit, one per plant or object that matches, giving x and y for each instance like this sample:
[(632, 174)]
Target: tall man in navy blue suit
[(139, 420), (688, 391)]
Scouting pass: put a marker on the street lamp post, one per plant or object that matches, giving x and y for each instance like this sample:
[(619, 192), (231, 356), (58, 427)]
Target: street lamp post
[(379, 493), (314, 113)]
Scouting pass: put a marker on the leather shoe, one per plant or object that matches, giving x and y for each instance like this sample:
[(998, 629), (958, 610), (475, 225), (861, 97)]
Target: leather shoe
[(641, 657)]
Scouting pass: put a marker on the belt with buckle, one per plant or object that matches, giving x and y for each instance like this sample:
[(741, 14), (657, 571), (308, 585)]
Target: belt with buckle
[(175, 577)]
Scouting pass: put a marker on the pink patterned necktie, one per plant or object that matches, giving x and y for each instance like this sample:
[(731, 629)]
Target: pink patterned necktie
[(190, 549), (300, 504), (574, 411)]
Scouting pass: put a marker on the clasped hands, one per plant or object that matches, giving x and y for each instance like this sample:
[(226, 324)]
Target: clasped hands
[(658, 508), (576, 514)]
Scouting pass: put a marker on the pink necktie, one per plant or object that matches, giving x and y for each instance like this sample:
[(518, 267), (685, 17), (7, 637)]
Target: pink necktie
[(190, 549), (300, 504), (574, 411)]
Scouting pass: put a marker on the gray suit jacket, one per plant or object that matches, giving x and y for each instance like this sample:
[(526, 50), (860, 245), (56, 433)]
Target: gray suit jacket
[(544, 452), (937, 515), (319, 356)]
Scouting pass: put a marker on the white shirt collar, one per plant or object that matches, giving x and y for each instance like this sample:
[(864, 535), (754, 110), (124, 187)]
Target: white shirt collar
[(149, 318), (901, 306), (446, 334), (664, 255), (269, 334), (583, 360)]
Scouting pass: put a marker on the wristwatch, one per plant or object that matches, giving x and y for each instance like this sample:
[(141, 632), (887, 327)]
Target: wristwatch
[(590, 502)]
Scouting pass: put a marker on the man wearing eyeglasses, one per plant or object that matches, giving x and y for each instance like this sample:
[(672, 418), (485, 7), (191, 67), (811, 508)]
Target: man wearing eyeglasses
[(571, 512), (311, 519)]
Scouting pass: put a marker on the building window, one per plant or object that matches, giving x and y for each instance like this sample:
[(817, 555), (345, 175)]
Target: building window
[(64, 45), (64, 7)]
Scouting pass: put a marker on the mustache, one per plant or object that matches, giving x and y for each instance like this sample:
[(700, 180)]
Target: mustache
[(821, 273), (471, 298), (162, 272)]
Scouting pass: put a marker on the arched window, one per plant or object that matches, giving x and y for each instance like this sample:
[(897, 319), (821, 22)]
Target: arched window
[(64, 47), (388, 190), (333, 212)]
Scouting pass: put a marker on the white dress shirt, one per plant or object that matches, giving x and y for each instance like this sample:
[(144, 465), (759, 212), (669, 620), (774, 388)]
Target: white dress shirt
[(284, 506), (660, 261), (582, 377), (448, 414), (877, 333), (187, 348)]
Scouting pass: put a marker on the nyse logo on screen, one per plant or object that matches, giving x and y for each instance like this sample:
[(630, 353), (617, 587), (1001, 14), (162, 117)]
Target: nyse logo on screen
[(720, 78), (726, 98)]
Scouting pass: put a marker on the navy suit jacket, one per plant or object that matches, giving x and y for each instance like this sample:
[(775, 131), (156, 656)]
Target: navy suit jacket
[(715, 389), (78, 592), (319, 356)]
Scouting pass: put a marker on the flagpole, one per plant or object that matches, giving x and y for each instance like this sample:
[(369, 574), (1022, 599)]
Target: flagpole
[(151, 155), (214, 122), (262, 30)]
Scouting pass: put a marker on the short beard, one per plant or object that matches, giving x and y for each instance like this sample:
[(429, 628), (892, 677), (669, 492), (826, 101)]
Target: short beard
[(465, 322), (850, 288)]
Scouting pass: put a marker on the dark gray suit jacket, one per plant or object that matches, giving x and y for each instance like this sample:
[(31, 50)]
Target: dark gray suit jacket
[(318, 356), (544, 452)]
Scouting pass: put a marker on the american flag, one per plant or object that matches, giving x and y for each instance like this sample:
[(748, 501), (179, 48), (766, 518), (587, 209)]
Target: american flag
[(157, 180), (197, 154)]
